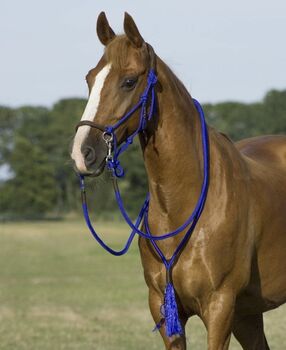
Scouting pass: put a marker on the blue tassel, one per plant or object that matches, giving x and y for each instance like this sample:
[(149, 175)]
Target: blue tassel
[(172, 322)]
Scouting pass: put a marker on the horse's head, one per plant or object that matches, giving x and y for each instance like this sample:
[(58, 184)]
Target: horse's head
[(115, 85)]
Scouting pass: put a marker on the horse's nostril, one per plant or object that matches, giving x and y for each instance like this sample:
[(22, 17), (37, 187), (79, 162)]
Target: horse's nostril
[(89, 155)]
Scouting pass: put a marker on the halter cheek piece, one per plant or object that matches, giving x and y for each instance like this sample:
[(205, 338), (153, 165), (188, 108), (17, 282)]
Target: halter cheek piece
[(169, 311), (109, 136)]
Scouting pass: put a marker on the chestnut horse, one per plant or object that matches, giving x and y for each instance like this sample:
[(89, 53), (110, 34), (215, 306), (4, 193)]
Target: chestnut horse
[(233, 268)]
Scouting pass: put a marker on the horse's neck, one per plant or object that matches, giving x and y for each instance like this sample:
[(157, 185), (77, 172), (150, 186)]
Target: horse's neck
[(173, 158), (173, 155)]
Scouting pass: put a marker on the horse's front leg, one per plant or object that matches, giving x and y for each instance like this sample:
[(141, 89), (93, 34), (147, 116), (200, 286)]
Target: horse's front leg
[(155, 302), (218, 317)]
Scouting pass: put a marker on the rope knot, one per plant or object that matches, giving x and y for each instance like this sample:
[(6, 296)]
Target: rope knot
[(119, 171), (152, 77), (109, 130), (116, 163), (144, 98), (116, 168), (129, 140)]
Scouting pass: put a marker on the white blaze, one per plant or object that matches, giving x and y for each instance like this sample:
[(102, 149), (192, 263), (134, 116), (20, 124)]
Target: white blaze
[(88, 114)]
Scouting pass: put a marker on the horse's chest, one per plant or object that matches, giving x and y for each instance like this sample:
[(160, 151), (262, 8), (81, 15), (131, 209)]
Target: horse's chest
[(189, 277)]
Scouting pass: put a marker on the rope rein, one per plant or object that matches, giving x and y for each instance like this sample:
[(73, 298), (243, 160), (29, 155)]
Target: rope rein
[(113, 165), (169, 309)]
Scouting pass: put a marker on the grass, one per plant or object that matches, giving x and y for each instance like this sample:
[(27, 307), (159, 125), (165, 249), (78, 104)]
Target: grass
[(59, 290)]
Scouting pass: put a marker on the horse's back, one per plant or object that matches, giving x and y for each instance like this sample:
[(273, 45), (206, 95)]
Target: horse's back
[(269, 149)]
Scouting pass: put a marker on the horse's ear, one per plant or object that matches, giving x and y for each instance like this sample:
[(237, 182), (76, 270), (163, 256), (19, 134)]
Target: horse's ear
[(104, 31), (132, 31)]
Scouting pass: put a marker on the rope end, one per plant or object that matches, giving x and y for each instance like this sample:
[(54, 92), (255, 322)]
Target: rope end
[(172, 321)]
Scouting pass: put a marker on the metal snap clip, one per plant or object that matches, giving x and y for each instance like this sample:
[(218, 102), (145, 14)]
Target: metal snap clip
[(108, 138)]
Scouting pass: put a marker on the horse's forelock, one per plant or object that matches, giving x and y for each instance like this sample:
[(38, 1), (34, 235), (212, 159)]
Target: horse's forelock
[(122, 54)]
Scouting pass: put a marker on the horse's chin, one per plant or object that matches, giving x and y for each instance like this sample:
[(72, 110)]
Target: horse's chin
[(92, 171), (97, 171)]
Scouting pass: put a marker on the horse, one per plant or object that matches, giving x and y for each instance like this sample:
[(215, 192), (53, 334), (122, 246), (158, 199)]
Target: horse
[(232, 269)]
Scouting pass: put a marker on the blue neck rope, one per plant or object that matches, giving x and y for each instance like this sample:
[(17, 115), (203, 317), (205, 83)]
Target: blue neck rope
[(169, 308)]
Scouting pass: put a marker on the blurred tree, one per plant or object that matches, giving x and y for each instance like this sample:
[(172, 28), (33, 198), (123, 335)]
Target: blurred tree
[(35, 144), (64, 116), (32, 191), (8, 125), (240, 120), (275, 108)]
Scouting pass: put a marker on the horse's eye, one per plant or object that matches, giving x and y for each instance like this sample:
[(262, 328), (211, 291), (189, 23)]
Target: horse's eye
[(129, 83)]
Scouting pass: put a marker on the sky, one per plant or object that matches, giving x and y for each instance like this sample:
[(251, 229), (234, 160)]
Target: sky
[(222, 50)]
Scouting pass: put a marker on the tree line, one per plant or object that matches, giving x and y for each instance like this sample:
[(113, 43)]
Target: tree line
[(35, 144)]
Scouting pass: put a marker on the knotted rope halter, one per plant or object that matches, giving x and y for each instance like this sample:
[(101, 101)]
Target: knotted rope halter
[(169, 308)]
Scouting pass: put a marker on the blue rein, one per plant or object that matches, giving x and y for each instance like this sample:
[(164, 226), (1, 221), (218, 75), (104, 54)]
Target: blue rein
[(169, 309)]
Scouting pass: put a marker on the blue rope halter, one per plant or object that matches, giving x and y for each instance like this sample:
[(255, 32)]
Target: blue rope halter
[(169, 308)]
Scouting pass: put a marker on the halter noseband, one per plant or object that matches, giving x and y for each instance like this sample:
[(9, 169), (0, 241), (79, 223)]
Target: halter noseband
[(109, 136)]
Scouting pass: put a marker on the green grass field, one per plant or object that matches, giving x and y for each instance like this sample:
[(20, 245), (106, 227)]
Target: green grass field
[(60, 290)]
